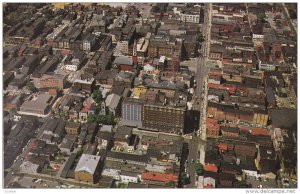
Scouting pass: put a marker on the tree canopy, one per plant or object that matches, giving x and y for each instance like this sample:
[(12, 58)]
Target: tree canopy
[(156, 9), (30, 86), (261, 16), (171, 184), (97, 96), (199, 168), (200, 37)]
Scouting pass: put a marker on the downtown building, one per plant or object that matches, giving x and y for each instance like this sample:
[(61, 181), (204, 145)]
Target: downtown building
[(164, 118), (132, 110)]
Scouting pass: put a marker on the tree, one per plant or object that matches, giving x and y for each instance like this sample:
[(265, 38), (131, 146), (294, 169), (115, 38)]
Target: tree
[(184, 178), (200, 37), (58, 21), (97, 96), (122, 185), (240, 184), (30, 86), (101, 119), (12, 110), (199, 168), (261, 17), (156, 9), (171, 184), (91, 118), (110, 119), (48, 13)]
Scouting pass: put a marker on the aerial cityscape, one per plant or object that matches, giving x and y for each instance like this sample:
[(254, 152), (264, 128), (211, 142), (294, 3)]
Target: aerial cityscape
[(149, 95)]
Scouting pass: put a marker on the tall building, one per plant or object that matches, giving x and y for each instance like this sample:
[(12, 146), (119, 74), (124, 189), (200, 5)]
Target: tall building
[(164, 46), (132, 110), (164, 118)]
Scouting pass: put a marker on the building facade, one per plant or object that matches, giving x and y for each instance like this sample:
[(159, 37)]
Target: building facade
[(132, 111), (164, 118)]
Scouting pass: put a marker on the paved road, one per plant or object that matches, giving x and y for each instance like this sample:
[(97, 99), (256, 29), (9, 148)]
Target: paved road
[(15, 167), (197, 144), (287, 16)]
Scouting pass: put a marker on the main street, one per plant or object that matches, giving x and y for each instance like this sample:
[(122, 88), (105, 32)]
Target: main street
[(197, 144)]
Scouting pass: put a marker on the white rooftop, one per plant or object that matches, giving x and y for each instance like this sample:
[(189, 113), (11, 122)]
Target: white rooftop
[(88, 163)]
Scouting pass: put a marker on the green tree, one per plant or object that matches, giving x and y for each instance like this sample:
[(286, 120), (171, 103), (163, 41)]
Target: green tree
[(12, 110), (200, 37), (199, 168), (122, 185), (184, 178), (110, 119), (48, 13), (91, 118), (101, 119), (79, 152), (156, 9), (240, 184), (30, 86), (58, 21), (97, 96), (171, 184), (261, 16)]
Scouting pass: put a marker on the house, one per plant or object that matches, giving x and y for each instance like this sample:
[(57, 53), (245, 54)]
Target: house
[(124, 63), (67, 145), (12, 103), (78, 58), (30, 168), (245, 149), (214, 79), (138, 90), (87, 168), (106, 77), (53, 81), (129, 177), (159, 178), (212, 128), (39, 106), (84, 83), (113, 102), (104, 138), (209, 179), (210, 167), (72, 128), (230, 131), (225, 180), (89, 42), (83, 114)]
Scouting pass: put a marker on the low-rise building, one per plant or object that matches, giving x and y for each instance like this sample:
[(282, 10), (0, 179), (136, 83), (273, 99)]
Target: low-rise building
[(87, 168), (39, 106), (72, 128), (53, 81), (113, 102), (29, 167)]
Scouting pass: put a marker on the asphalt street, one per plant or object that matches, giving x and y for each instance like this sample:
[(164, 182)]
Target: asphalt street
[(197, 144)]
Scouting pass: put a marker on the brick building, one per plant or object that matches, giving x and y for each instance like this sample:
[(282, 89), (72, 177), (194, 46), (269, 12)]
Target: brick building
[(72, 128), (164, 118), (87, 168), (163, 46), (53, 81)]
